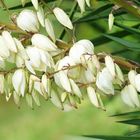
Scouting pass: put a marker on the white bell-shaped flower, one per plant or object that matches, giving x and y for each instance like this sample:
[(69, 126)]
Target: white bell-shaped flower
[(19, 81), (81, 48), (131, 76), (130, 96), (104, 81), (110, 65), (81, 4), (35, 4), (9, 41), (4, 51), (63, 18), (92, 96), (27, 20), (49, 29), (43, 42)]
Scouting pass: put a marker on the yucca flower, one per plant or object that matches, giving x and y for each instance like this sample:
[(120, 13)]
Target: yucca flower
[(83, 47), (27, 20), (19, 82)]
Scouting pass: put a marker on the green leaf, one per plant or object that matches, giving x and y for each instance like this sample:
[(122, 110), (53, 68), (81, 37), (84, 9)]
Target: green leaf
[(113, 137), (132, 122), (130, 45)]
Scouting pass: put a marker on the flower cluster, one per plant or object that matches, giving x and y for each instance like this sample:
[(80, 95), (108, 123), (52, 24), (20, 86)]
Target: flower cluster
[(42, 66)]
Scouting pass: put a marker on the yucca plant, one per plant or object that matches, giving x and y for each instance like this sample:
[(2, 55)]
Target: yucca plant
[(44, 52)]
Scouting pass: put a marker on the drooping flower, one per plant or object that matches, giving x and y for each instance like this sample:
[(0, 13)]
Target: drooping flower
[(41, 16), (104, 81), (9, 41), (19, 81), (27, 20), (80, 48), (81, 4), (92, 96), (110, 21), (130, 96)]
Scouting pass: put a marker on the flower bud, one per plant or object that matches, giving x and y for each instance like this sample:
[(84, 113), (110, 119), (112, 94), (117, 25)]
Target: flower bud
[(49, 29), (83, 47), (35, 4), (19, 81), (43, 42), (63, 18), (41, 16), (81, 4), (119, 73), (92, 96), (9, 41), (27, 20), (110, 21)]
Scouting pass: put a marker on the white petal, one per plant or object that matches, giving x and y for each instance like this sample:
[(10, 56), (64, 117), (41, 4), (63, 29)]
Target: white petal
[(43, 42), (88, 3), (63, 18), (9, 41), (75, 89), (4, 51), (92, 96), (29, 67), (81, 4), (1, 83), (126, 97), (55, 99), (110, 65), (41, 16), (119, 73), (35, 4), (34, 56), (131, 77), (49, 29), (137, 82), (63, 80), (133, 95)]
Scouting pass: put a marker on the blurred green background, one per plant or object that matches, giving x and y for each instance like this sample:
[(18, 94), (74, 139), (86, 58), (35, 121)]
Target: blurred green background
[(47, 122)]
